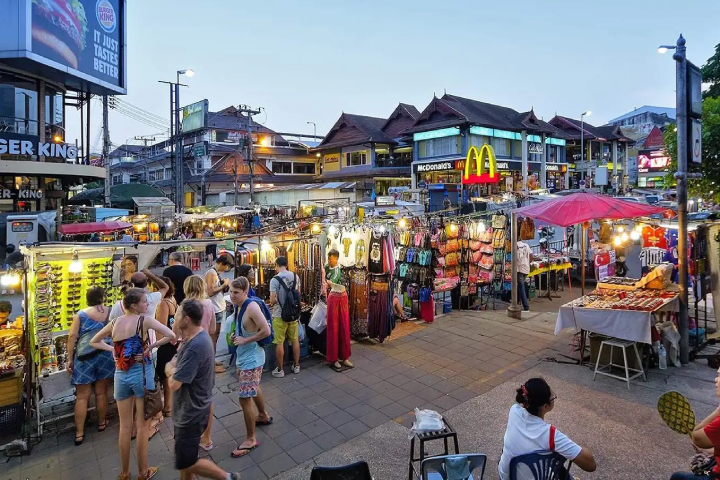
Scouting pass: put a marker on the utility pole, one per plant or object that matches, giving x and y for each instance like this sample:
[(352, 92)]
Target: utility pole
[(145, 139), (250, 112), (106, 150)]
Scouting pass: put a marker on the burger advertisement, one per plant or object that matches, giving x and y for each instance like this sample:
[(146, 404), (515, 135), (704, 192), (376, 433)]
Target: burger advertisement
[(84, 35)]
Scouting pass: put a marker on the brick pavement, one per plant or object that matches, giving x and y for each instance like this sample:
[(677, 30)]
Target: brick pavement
[(438, 366)]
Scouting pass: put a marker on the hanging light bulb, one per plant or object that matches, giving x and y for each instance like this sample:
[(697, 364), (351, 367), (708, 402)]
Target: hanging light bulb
[(315, 228), (617, 241), (5, 280), (453, 227), (382, 228), (634, 235), (402, 223), (621, 228), (625, 237), (14, 279), (264, 245), (332, 230), (76, 265), (481, 227)]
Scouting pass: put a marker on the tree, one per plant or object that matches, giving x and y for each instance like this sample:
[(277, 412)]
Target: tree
[(711, 74), (709, 186)]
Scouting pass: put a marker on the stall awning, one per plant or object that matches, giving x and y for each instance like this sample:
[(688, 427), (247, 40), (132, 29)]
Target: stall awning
[(92, 227)]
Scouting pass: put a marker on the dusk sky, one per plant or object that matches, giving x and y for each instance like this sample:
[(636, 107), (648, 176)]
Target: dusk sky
[(312, 60)]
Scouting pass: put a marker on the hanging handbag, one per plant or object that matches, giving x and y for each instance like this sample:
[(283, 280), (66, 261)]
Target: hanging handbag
[(499, 221), (486, 236), (439, 273), (473, 269), (452, 259), (452, 246), (475, 245), (464, 291), (451, 231), (451, 272), (442, 248), (527, 229), (477, 257), (152, 399), (434, 240)]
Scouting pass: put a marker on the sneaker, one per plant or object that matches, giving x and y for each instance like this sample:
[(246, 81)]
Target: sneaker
[(278, 373), (235, 476), (296, 369)]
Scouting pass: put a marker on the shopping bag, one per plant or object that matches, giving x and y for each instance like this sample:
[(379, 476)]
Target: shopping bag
[(318, 319)]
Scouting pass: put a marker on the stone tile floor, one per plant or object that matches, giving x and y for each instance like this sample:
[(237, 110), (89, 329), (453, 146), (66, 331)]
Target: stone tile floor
[(439, 366)]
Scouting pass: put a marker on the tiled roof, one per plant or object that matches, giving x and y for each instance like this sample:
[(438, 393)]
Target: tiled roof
[(402, 118), (353, 129), (572, 128), (125, 150), (230, 119), (668, 111)]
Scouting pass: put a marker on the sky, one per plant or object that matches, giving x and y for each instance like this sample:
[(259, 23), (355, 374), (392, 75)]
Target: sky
[(310, 61)]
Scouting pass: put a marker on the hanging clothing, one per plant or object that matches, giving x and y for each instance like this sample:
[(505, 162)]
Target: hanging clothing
[(338, 327), (375, 260), (378, 309), (358, 304)]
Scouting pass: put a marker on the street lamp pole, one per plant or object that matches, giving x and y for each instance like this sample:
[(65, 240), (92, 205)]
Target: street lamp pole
[(582, 143), (314, 130)]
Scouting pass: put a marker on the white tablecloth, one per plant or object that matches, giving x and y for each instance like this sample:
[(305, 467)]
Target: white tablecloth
[(630, 325)]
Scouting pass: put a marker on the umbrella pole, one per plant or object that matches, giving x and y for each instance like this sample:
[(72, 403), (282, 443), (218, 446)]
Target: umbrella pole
[(582, 266)]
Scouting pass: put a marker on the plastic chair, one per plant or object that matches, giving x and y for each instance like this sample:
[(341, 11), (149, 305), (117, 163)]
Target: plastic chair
[(454, 467), (354, 471), (540, 465)]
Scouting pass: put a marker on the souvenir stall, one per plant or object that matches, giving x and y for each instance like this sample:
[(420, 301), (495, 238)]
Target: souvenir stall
[(81, 232), (57, 276), (13, 350)]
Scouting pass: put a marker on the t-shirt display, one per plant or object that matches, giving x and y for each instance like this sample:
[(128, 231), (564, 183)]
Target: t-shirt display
[(654, 237)]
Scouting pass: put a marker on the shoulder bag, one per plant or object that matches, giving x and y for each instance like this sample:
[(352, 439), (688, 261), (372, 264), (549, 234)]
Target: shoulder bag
[(152, 399), (83, 350)]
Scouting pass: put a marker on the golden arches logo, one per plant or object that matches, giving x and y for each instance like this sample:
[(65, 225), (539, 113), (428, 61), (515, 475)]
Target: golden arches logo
[(478, 158)]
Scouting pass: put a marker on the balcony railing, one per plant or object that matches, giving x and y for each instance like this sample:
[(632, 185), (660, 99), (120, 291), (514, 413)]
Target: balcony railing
[(22, 126), (383, 161)]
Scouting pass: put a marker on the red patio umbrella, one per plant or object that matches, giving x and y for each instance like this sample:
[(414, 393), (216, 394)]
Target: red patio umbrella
[(583, 206), (92, 227)]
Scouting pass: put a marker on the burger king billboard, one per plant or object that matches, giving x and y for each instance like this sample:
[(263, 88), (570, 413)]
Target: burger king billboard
[(78, 42)]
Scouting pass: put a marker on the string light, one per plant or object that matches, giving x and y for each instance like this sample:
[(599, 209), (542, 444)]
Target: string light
[(617, 241), (624, 237), (315, 228), (634, 235), (621, 228)]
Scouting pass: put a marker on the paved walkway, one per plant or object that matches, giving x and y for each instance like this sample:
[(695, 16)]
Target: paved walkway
[(466, 364)]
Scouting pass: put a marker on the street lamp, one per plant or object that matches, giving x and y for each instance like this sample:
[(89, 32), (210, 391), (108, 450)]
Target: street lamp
[(179, 186), (188, 73), (665, 48), (582, 143), (314, 130)]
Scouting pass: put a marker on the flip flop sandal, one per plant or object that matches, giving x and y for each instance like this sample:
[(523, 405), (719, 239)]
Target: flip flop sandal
[(155, 430), (151, 471), (101, 428), (261, 423), (246, 451), (206, 446), (79, 439)]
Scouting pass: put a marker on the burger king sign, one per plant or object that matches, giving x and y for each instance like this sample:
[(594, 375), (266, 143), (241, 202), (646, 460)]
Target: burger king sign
[(106, 15)]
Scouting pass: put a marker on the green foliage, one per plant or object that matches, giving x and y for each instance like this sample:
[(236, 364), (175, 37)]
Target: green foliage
[(711, 74), (709, 186), (91, 185)]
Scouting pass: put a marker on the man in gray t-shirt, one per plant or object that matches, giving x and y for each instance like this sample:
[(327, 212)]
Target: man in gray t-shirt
[(281, 328), (191, 375)]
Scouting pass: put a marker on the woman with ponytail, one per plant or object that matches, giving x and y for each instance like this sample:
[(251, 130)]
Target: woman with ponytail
[(527, 431)]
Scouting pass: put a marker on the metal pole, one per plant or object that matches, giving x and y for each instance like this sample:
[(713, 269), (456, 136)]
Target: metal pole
[(681, 176), (582, 147), (514, 309), (87, 132), (180, 185), (106, 151), (172, 144), (250, 157), (583, 247), (235, 174)]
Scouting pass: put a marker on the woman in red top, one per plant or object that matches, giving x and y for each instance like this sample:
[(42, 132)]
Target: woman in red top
[(706, 435)]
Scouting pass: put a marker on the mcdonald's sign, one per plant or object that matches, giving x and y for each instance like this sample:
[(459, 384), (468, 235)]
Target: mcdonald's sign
[(475, 166)]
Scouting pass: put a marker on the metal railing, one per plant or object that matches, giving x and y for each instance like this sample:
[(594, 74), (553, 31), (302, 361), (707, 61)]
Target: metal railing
[(23, 126)]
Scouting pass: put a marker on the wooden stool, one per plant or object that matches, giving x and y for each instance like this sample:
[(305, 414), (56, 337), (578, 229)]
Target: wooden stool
[(195, 263), (444, 434)]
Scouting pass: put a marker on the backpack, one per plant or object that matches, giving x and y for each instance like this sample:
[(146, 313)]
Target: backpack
[(291, 308), (235, 326)]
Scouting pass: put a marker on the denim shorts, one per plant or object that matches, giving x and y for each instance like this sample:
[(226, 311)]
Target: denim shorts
[(129, 383)]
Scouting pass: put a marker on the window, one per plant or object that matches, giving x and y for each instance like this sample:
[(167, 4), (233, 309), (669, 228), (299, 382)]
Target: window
[(501, 147), (355, 159), (282, 167), (155, 175), (517, 149), (479, 140), (117, 179), (305, 168), (437, 147)]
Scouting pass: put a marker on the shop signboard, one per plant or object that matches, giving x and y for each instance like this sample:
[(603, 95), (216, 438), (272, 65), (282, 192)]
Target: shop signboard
[(199, 149), (384, 200), (422, 184), (475, 170), (653, 161), (549, 167), (331, 162), (536, 148), (194, 116), (28, 145), (21, 194), (436, 166), (79, 43)]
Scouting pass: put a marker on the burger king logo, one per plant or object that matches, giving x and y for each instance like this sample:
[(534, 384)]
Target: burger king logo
[(106, 15)]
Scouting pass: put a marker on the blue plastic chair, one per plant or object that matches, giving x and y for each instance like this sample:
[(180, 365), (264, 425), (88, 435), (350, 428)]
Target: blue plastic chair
[(354, 471), (541, 465), (469, 466)]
